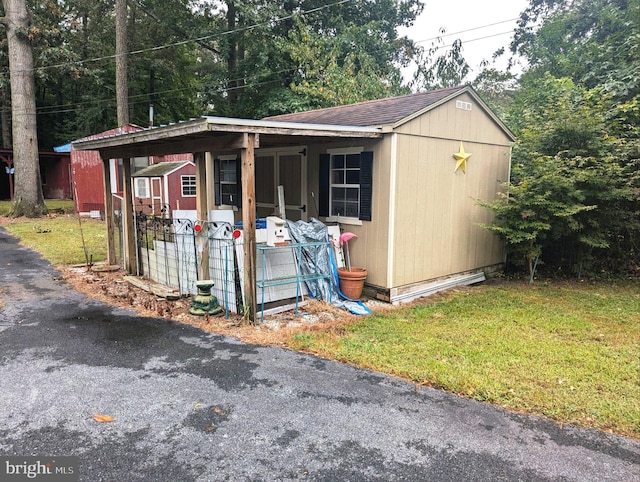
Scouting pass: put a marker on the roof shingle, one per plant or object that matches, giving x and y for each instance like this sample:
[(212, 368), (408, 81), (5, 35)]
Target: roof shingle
[(370, 113)]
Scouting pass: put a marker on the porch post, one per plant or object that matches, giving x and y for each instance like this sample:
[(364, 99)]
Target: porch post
[(108, 213), (127, 218), (208, 156), (202, 214), (249, 225)]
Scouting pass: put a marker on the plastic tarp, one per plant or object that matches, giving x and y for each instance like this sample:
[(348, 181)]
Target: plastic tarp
[(312, 232)]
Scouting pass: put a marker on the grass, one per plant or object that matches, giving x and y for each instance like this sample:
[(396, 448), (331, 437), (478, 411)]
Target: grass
[(569, 352), (59, 239), (65, 205)]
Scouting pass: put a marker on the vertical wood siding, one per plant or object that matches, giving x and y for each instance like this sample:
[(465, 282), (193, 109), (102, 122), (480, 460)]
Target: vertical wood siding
[(437, 230)]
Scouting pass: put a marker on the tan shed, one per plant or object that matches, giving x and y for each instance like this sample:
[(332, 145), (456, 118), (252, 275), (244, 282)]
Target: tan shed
[(402, 173), (416, 217)]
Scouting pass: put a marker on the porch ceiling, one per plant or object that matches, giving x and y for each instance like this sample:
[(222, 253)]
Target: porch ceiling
[(218, 134)]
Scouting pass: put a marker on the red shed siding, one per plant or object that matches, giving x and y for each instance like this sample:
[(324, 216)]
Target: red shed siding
[(88, 175)]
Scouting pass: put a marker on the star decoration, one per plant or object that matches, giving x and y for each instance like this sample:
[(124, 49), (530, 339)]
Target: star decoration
[(461, 158)]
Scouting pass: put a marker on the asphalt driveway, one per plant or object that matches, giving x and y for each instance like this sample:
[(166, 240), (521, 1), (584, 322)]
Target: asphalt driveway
[(193, 406)]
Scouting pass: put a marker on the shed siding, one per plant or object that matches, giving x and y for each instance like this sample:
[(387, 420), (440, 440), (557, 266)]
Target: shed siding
[(449, 122), (436, 232), (370, 249)]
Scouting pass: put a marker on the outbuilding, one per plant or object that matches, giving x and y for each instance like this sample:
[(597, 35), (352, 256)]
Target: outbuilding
[(404, 174)]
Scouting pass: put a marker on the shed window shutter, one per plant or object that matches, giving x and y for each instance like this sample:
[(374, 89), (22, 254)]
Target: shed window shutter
[(323, 195), (216, 181), (238, 201), (366, 185)]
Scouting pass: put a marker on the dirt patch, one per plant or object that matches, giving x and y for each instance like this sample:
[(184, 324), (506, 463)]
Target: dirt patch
[(111, 288)]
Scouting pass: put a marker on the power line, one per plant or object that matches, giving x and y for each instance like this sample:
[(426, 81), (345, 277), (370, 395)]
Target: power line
[(467, 30), (475, 39), (197, 40)]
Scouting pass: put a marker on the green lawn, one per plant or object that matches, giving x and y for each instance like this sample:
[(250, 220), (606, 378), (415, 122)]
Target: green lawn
[(59, 239), (568, 351), (65, 205)]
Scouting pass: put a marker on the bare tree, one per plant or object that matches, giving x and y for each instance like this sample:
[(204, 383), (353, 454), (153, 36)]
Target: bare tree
[(28, 199)]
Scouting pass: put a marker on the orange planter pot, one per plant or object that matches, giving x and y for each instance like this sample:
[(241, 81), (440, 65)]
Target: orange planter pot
[(352, 282)]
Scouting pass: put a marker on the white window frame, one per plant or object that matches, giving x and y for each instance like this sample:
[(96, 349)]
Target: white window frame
[(140, 188), (332, 217), (183, 178)]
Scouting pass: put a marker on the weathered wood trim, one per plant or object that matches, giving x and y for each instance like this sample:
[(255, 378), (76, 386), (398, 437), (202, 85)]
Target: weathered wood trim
[(130, 258), (247, 158), (108, 212), (184, 136), (154, 288), (215, 143), (202, 214)]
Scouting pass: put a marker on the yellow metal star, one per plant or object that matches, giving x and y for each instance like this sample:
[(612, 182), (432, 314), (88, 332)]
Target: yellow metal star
[(461, 157)]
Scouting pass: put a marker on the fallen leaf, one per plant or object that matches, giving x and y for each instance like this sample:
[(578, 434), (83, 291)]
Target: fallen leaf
[(103, 418)]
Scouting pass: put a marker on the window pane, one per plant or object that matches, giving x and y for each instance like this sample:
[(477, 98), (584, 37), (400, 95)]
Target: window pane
[(353, 177), (353, 160), (337, 177), (338, 193), (337, 208), (228, 194), (228, 170), (351, 210), (337, 161), (352, 194), (188, 185)]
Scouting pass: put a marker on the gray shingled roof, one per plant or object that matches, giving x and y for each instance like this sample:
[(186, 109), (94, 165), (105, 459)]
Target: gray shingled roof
[(371, 113), (160, 169)]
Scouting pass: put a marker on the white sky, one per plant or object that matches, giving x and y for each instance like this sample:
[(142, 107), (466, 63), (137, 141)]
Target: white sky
[(464, 15)]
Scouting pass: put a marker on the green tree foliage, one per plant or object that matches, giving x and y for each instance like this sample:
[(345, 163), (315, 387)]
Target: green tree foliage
[(574, 195), (438, 69), (593, 42), (249, 58), (290, 55)]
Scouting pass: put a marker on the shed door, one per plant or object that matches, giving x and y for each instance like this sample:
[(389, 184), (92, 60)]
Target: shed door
[(289, 169), (156, 195)]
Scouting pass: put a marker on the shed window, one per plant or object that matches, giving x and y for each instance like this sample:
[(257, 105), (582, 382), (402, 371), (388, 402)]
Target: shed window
[(345, 184), (227, 182), (141, 187), (188, 185)]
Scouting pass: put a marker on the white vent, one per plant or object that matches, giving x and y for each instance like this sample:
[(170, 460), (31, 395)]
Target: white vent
[(463, 105)]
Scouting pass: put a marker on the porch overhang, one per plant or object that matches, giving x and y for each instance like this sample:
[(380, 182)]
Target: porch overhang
[(218, 134), (200, 136)]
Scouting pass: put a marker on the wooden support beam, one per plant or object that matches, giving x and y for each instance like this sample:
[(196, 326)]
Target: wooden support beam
[(130, 258), (247, 157), (202, 214), (108, 213), (161, 147), (210, 174)]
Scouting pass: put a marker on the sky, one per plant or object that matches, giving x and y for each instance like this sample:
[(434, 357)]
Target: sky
[(495, 19)]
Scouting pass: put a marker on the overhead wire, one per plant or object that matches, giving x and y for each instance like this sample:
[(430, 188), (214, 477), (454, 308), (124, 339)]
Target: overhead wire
[(77, 106), (187, 41)]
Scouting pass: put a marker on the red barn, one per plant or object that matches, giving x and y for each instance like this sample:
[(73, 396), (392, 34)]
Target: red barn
[(55, 173), (88, 171)]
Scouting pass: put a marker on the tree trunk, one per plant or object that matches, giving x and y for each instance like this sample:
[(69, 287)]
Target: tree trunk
[(122, 88), (4, 120), (28, 199)]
